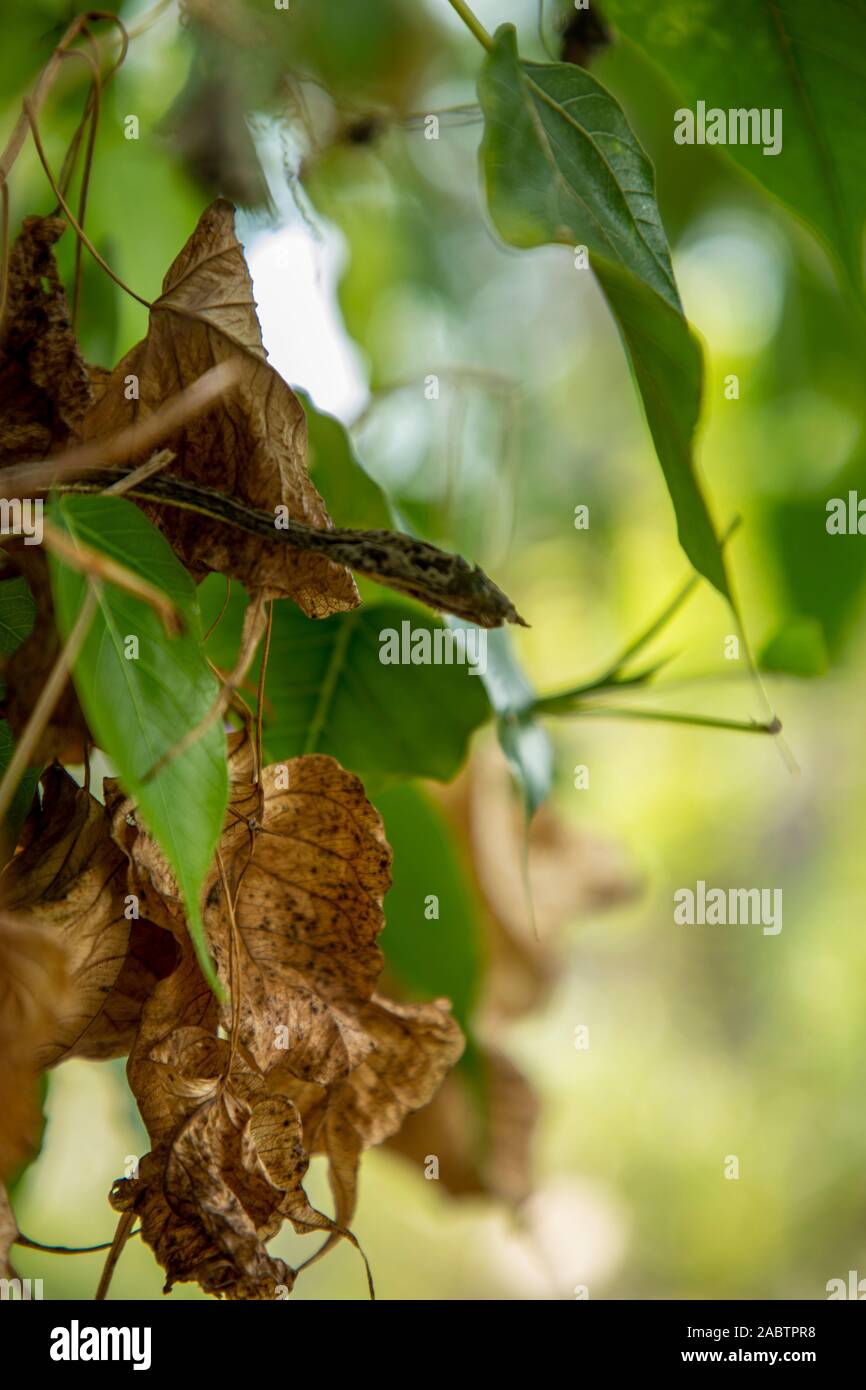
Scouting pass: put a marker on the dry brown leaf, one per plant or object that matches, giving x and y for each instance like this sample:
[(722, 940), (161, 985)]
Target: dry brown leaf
[(71, 879), (228, 1160), (34, 993), (489, 1152), (415, 1046), (316, 1061), (44, 386), (202, 1196), (252, 446), (307, 866), (8, 1235)]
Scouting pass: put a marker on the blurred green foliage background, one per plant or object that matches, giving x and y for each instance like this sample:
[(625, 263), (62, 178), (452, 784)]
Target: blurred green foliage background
[(704, 1042)]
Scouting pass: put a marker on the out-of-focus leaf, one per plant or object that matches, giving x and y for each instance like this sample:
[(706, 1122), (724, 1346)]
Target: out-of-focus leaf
[(798, 648), (20, 804), (429, 956), (34, 989), (349, 492), (44, 387), (822, 575), (17, 613), (140, 706), (561, 164), (522, 738), (71, 879), (807, 61)]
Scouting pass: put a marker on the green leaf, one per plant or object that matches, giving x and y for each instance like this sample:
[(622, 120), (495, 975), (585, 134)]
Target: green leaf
[(798, 648), (20, 803), (429, 956), (328, 692), (17, 614), (139, 708), (807, 61), (352, 498), (522, 738), (562, 165)]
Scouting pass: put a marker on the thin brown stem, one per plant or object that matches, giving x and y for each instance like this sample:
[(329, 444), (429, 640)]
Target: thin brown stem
[(155, 464), (249, 642), (137, 438), (63, 1249), (261, 695), (70, 215), (85, 560), (47, 701), (48, 76), (121, 1236)]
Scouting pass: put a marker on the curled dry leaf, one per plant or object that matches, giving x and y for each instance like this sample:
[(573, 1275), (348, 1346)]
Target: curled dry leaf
[(34, 992), (316, 1061), (252, 446), (414, 1048), (71, 880), (202, 1194)]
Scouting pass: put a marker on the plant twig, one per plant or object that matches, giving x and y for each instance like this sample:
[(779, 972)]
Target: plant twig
[(250, 639), (47, 78), (610, 677), (64, 1249), (748, 726), (85, 560), (472, 23), (70, 215), (121, 1236), (104, 454), (161, 459), (45, 705)]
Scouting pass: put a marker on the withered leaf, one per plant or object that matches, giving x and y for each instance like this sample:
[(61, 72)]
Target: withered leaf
[(307, 865), (44, 385), (315, 1062), (252, 446), (228, 1161), (34, 991), (487, 1151), (71, 880), (202, 1196), (8, 1235), (414, 1047)]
